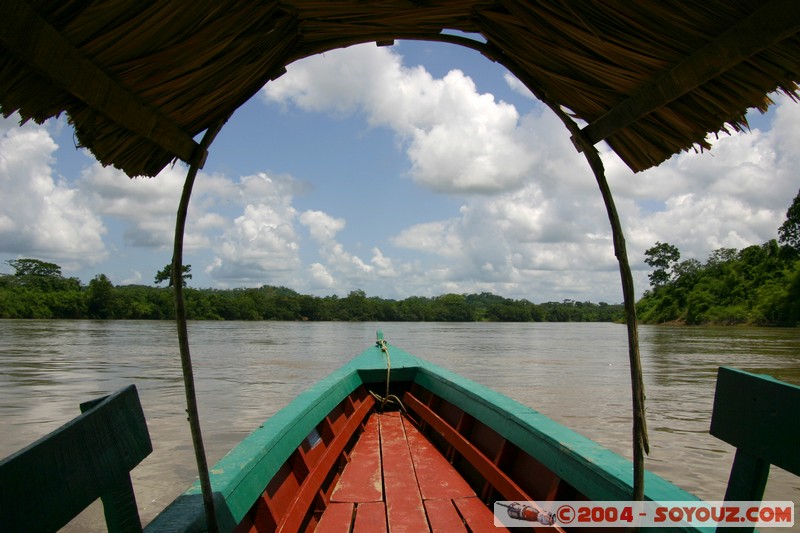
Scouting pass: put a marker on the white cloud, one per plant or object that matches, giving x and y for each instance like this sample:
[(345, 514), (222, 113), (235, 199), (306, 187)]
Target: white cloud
[(542, 207), (517, 86), (320, 277), (557, 228), (734, 196), (343, 261), (343, 271), (457, 139), (439, 238), (323, 227), (515, 244), (261, 246), (148, 206), (135, 278), (41, 215), (544, 213), (384, 266)]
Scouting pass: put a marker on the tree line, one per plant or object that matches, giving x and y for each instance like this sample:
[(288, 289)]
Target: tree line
[(757, 285), (38, 290)]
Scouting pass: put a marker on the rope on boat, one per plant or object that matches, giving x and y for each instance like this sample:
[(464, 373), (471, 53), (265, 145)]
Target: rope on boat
[(388, 398), (384, 346)]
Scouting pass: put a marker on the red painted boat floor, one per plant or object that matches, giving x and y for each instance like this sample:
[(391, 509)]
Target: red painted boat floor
[(398, 482), (362, 480)]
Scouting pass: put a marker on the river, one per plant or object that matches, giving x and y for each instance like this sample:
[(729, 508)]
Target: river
[(576, 374)]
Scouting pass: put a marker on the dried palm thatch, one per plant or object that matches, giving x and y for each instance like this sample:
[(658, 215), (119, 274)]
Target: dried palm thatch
[(139, 80)]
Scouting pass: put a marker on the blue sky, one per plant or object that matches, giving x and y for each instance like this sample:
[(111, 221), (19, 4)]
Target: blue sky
[(418, 169)]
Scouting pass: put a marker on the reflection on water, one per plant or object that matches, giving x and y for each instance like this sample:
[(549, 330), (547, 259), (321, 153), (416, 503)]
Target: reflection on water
[(575, 373)]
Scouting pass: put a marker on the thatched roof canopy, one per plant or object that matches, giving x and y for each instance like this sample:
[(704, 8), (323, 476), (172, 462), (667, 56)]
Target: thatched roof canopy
[(141, 79)]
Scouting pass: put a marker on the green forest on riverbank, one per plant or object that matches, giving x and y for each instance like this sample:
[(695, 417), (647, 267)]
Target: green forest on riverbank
[(34, 295), (758, 285)]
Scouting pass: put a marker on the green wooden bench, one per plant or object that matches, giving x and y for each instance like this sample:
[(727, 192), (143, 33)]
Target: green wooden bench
[(47, 484), (759, 416)]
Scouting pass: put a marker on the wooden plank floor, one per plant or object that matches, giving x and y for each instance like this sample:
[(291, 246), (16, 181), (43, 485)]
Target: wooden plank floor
[(398, 482)]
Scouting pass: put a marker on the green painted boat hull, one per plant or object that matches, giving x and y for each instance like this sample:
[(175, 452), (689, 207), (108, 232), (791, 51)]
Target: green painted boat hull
[(240, 477)]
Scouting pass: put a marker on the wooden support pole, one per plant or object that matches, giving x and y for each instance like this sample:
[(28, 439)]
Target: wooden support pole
[(641, 445), (183, 332)]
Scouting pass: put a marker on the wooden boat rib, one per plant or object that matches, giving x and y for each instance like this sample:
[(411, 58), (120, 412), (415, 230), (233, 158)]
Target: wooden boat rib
[(297, 471)]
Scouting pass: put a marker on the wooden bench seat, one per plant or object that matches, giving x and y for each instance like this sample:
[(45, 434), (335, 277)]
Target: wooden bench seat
[(397, 481), (45, 485)]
